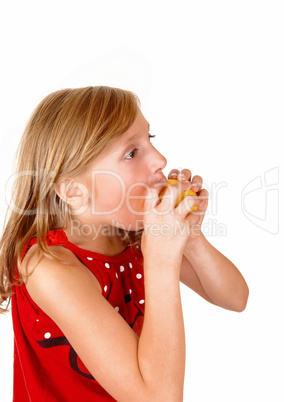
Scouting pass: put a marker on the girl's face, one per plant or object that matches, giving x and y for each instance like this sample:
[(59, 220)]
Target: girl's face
[(117, 181)]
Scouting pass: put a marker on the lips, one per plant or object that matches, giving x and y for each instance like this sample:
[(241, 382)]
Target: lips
[(161, 184), (162, 179)]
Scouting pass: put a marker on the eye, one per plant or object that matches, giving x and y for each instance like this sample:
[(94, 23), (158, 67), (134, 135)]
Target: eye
[(133, 152)]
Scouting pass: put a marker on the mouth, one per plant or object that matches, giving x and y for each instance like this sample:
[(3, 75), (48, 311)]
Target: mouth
[(161, 184), (162, 179)]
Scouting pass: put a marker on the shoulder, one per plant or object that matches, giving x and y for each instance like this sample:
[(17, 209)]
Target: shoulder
[(38, 269), (33, 256)]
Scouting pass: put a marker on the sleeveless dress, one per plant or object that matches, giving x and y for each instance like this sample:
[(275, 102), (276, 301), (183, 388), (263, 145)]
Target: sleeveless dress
[(46, 367)]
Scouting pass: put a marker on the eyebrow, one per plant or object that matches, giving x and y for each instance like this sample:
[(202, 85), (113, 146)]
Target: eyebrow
[(133, 137)]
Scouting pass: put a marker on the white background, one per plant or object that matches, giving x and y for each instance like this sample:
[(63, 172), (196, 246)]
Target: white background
[(210, 78)]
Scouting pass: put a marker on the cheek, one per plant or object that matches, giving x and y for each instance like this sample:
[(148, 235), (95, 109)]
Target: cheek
[(136, 198), (109, 191), (130, 215)]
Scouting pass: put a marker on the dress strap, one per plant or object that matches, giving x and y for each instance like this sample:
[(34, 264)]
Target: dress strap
[(53, 237)]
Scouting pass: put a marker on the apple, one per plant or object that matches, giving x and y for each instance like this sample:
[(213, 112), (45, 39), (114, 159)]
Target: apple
[(181, 196)]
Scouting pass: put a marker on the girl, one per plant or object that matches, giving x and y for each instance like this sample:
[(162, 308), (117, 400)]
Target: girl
[(92, 259)]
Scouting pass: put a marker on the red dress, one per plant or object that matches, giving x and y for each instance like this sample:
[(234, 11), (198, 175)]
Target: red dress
[(46, 367)]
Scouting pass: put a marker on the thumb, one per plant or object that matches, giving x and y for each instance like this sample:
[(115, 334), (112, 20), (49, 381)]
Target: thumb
[(151, 198)]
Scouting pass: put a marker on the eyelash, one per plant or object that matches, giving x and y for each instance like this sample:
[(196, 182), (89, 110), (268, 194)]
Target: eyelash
[(135, 149)]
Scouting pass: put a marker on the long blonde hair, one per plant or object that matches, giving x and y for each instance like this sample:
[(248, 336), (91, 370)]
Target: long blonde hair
[(66, 131)]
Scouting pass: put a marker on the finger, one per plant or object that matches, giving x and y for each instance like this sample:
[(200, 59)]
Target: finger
[(202, 207), (197, 215), (184, 175), (196, 183), (173, 174), (185, 206), (151, 198), (203, 195)]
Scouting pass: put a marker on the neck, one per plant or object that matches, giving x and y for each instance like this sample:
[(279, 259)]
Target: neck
[(106, 240)]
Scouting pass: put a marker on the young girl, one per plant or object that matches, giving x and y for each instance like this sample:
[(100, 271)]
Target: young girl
[(92, 258)]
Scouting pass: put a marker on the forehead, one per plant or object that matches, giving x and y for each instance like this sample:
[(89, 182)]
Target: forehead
[(127, 138), (137, 130), (115, 150)]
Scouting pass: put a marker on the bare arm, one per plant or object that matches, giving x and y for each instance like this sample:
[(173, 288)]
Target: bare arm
[(189, 278), (161, 351), (203, 268), (213, 276)]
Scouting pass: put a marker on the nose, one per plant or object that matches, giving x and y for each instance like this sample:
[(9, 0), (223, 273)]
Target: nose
[(157, 161)]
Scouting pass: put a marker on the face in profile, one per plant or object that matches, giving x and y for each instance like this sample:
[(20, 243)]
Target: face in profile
[(118, 179)]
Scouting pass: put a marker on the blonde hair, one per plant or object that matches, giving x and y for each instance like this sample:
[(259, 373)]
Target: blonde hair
[(66, 131)]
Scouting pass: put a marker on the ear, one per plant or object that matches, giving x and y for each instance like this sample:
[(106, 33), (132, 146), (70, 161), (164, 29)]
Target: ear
[(74, 193)]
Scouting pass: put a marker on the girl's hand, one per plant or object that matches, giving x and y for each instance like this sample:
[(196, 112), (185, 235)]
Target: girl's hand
[(196, 218), (166, 228)]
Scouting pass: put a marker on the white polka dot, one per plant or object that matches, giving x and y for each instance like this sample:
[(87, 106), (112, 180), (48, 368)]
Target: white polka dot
[(107, 265), (105, 288), (121, 268), (130, 265), (138, 276), (89, 258), (116, 308), (130, 291), (137, 246), (37, 320), (142, 301), (47, 335), (116, 275)]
